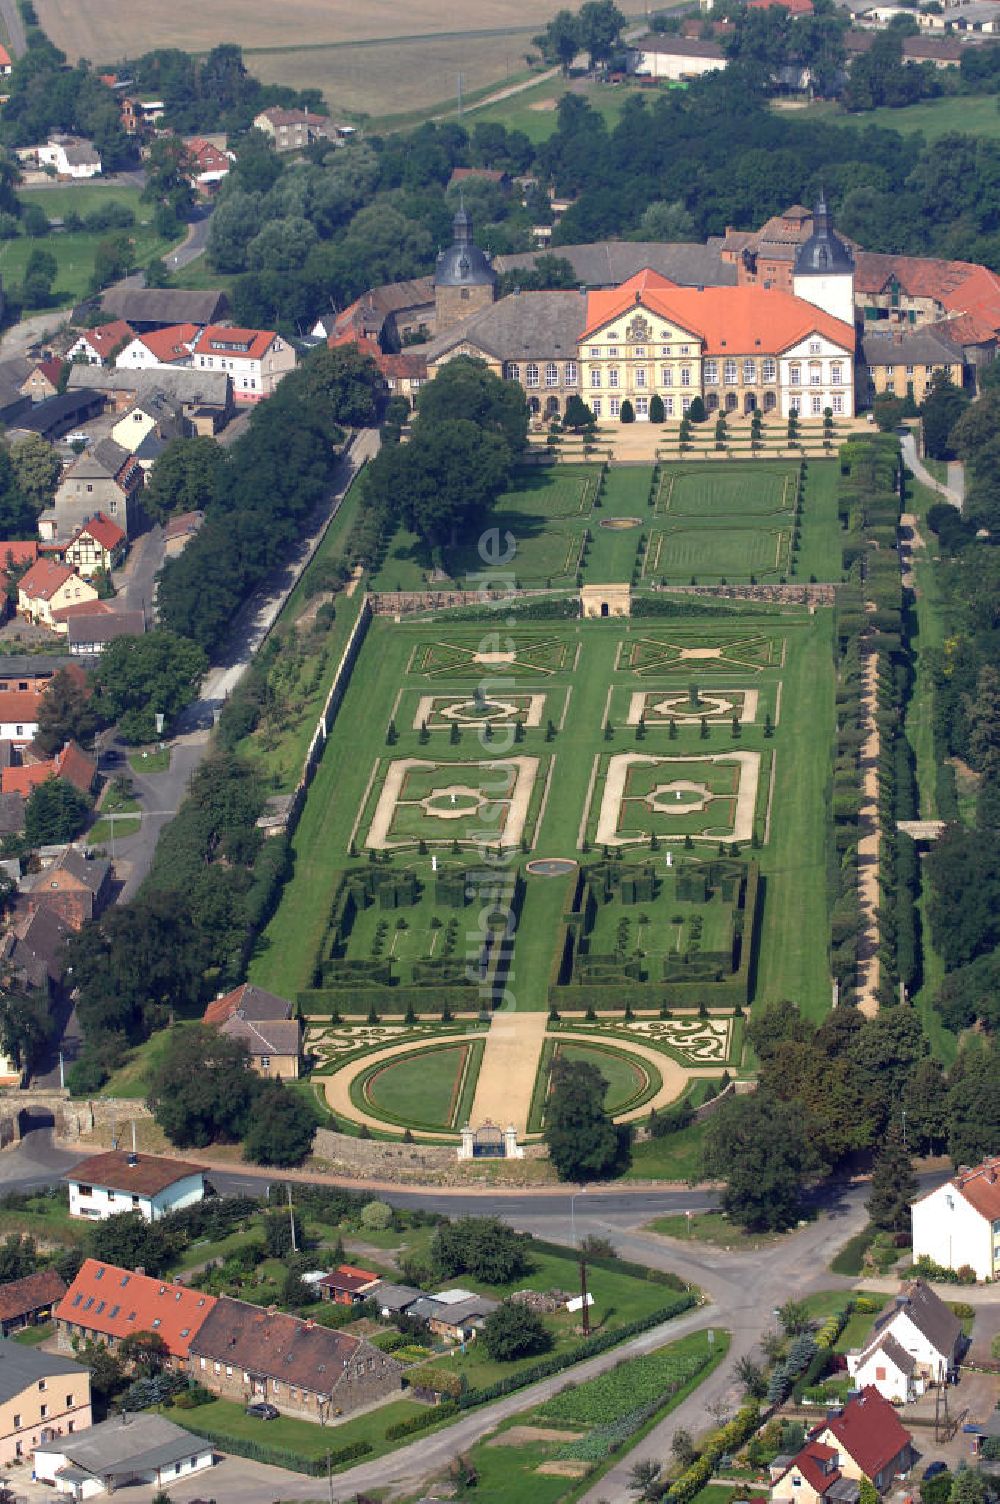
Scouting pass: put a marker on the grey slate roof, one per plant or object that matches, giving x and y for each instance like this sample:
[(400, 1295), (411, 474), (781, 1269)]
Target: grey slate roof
[(30, 665), (105, 626), (164, 305), (21, 1366), (525, 326), (394, 1297), (113, 1449), (457, 1313), (187, 384), (611, 262), (675, 46), (51, 415), (929, 1315), (11, 813), (272, 1036), (916, 347)]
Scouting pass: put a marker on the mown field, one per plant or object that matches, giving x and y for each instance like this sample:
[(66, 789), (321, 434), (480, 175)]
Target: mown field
[(971, 115)]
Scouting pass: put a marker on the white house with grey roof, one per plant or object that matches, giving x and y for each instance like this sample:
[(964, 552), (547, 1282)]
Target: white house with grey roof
[(915, 1342), (128, 1450)]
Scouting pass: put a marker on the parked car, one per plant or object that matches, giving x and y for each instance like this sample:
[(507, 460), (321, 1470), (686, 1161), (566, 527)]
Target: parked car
[(111, 754), (263, 1412), (933, 1468)]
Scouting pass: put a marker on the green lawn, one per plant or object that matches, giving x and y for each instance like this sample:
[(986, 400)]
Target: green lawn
[(534, 110), (74, 253), (423, 1088), (311, 1441), (624, 1079), (131, 1079), (970, 115), (150, 760), (713, 1228), (107, 828), (34, 1336), (675, 1157)]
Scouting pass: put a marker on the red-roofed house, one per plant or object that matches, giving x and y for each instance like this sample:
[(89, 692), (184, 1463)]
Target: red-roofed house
[(955, 1224), (98, 544), (794, 7), (6, 66), (107, 1304), (19, 716), (866, 1439), (461, 175), (46, 587), (256, 359), (42, 380), (96, 346), (347, 1285), (404, 374), (159, 347), (208, 163)]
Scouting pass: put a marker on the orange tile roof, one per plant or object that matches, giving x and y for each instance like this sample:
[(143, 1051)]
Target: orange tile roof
[(969, 292), (43, 579), (20, 705), (24, 780), (73, 764), (729, 320), (103, 531), (5, 61), (17, 553), (795, 7), (105, 337), (981, 1187), (117, 1304), (171, 344), (219, 339)]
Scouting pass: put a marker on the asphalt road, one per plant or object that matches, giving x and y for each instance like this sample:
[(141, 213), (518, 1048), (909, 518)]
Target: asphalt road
[(14, 27)]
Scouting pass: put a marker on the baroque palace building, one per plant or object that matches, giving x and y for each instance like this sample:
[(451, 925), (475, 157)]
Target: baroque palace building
[(738, 348)]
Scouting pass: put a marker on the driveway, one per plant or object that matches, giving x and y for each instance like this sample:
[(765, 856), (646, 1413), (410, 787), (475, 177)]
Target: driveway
[(954, 491)]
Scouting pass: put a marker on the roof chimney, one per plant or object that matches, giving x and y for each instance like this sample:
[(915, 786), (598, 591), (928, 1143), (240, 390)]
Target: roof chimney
[(139, 1269)]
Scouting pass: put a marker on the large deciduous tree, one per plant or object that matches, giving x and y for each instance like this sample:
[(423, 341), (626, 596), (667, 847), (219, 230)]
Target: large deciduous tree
[(55, 811), (466, 388), (202, 1091), (515, 1331), (760, 1149), (184, 478), (581, 1137), (138, 677), (280, 1128), (68, 712)]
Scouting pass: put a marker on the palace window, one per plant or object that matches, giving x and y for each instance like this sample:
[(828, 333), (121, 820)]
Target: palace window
[(749, 372), (613, 376), (531, 375), (909, 370), (570, 377), (614, 407), (817, 406), (836, 376), (837, 403), (890, 385), (639, 352), (795, 375), (595, 407), (685, 404), (711, 371), (595, 378), (595, 351), (729, 372), (613, 352), (642, 407), (685, 375), (816, 374), (685, 349), (793, 407), (814, 347), (551, 374), (666, 376), (511, 371), (668, 406), (768, 369), (640, 377), (664, 349)]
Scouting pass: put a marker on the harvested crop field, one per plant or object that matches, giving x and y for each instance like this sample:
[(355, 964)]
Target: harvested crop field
[(418, 69)]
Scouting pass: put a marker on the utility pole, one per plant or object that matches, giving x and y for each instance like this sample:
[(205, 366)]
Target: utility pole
[(460, 93), (583, 1295), (291, 1215)]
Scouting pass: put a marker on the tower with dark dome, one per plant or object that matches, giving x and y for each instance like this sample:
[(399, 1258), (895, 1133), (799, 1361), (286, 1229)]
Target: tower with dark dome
[(464, 280), (824, 268)]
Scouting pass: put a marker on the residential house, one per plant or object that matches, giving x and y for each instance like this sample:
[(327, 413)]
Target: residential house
[(915, 1342), (46, 587), (403, 375), (246, 1354), (11, 814), (347, 1286), (19, 716), (794, 7), (146, 308), (391, 314), (209, 163), (675, 57), (34, 950), (901, 362), (255, 359), (33, 671), (71, 156), (98, 544), (457, 1315), (29, 1301), (158, 347), (106, 1184), (865, 1439), (139, 116), (105, 479), (143, 1448), (958, 1224), (43, 379), (99, 346), (6, 66), (75, 886), (107, 1304), (292, 130), (205, 397), (88, 633), (917, 290), (148, 427), (264, 1025), (41, 1395), (494, 175)]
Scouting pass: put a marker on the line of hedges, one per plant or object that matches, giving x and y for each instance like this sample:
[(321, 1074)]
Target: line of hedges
[(260, 1451), (420, 1422)]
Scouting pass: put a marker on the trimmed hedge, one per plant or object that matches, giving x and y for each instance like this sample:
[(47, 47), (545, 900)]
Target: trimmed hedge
[(429, 1417)]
